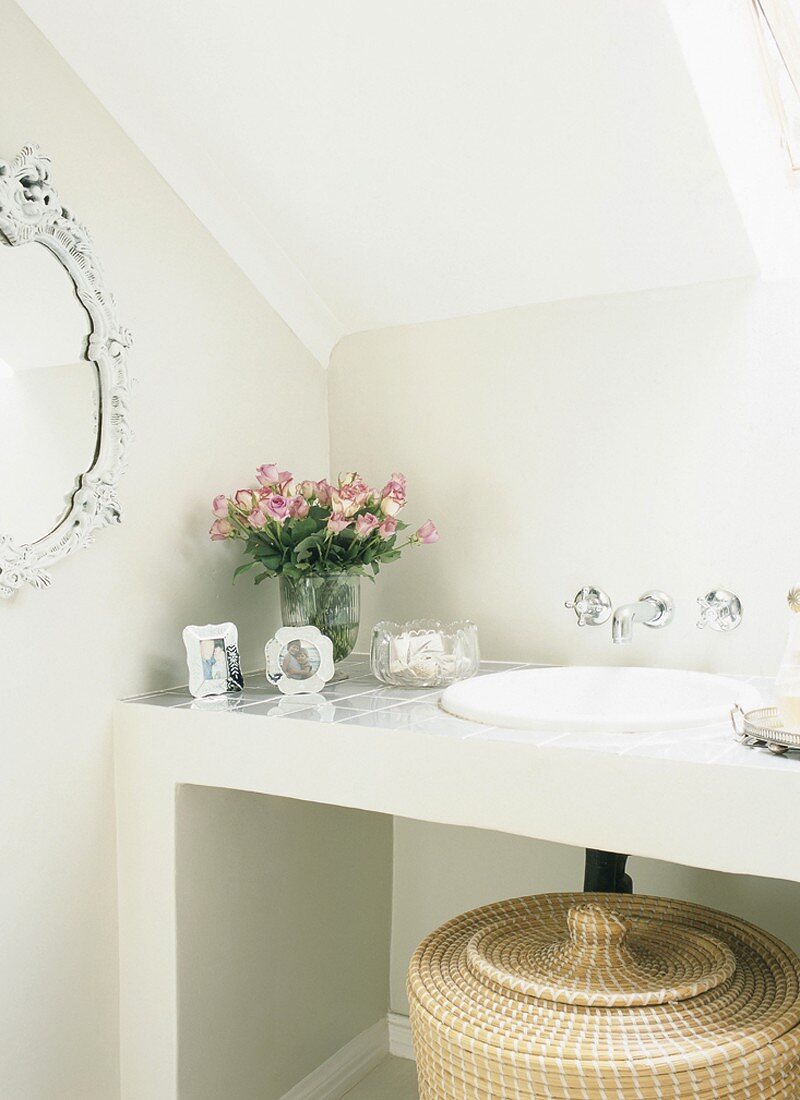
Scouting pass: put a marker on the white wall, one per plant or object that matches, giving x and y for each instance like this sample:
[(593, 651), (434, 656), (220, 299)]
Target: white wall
[(635, 441), (284, 916), (217, 374)]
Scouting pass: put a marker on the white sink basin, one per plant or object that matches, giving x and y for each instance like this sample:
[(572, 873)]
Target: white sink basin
[(598, 700)]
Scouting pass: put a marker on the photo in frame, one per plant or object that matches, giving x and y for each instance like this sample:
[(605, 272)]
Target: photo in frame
[(212, 655), (299, 659)]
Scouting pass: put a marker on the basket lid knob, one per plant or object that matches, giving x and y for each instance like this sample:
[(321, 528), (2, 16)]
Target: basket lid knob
[(591, 925)]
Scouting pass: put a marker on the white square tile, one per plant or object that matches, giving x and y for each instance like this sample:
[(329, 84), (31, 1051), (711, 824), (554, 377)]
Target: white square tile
[(258, 696), (347, 689), (219, 703), (600, 741), (393, 694), (327, 712), (518, 737), (365, 702), (288, 707), (420, 711), (164, 699), (265, 706), (355, 664), (392, 718), (363, 677), (447, 725)]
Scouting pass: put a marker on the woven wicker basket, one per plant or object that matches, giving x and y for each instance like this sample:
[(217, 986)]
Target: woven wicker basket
[(604, 997)]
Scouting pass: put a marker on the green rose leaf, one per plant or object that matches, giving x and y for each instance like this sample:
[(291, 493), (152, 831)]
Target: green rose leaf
[(243, 568), (302, 529)]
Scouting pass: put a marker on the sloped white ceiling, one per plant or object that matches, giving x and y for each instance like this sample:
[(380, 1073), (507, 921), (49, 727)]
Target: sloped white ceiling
[(374, 162)]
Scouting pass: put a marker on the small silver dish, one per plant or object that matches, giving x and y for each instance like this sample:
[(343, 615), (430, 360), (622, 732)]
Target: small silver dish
[(763, 726)]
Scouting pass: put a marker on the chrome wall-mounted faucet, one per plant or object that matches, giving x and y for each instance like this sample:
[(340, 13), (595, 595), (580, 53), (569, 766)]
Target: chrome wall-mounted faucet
[(653, 609), (720, 609), (592, 606)]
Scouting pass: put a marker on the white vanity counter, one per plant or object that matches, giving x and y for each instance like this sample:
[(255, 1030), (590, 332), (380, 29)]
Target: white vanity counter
[(694, 797)]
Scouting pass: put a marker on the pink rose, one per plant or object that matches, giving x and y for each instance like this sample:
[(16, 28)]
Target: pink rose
[(354, 479), (298, 507), (351, 496), (219, 506), (337, 523), (324, 490), (345, 503), (268, 475), (221, 529), (393, 496), (246, 500), (427, 533), (396, 483), (388, 527), (366, 524), (307, 489), (257, 518), (276, 506)]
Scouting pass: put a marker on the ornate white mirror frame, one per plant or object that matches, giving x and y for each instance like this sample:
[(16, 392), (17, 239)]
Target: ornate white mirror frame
[(31, 211)]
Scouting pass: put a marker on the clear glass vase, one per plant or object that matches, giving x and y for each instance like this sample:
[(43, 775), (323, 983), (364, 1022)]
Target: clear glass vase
[(329, 601)]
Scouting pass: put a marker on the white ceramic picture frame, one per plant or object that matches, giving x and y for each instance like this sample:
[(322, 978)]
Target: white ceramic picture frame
[(299, 660), (212, 655)]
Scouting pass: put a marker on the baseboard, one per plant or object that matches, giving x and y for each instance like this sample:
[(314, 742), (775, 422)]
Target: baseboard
[(400, 1044), (345, 1068)]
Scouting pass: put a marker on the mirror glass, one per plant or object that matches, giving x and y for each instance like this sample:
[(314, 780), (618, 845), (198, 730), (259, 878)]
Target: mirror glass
[(49, 393)]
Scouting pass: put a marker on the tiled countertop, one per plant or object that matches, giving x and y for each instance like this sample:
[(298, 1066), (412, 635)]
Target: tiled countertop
[(361, 700), (693, 797)]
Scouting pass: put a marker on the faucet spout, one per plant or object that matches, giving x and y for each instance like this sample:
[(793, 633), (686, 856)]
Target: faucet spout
[(626, 616), (654, 609)]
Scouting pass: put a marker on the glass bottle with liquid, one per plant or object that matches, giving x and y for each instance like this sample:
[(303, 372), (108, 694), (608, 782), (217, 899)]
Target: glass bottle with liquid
[(788, 682)]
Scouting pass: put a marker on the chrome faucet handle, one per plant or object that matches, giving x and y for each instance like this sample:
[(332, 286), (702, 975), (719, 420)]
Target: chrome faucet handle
[(719, 609), (592, 606)]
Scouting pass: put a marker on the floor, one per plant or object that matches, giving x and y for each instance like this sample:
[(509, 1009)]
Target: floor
[(394, 1079)]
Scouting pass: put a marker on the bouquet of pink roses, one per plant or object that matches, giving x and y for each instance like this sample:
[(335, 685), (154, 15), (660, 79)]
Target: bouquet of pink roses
[(296, 528)]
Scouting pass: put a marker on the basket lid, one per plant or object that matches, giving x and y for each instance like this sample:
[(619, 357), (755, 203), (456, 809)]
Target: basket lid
[(639, 981), (602, 961)]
